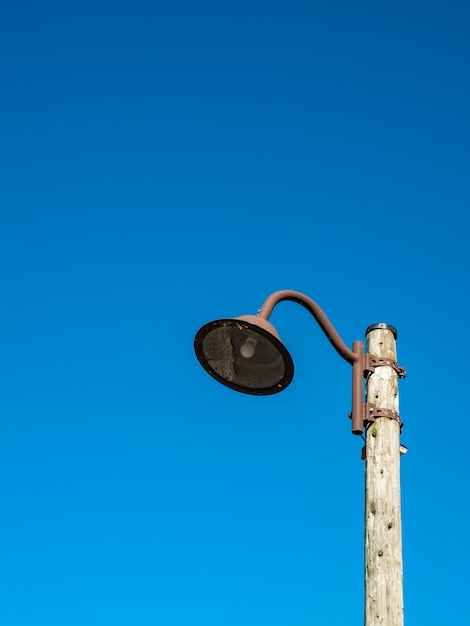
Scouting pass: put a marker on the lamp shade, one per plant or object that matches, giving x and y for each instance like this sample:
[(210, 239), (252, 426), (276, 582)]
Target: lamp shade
[(245, 354)]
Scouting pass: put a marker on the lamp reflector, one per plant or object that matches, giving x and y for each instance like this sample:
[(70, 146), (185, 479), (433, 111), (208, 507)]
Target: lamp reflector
[(247, 356)]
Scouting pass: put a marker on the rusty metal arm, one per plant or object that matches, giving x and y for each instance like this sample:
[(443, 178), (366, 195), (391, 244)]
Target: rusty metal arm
[(327, 327), (355, 356)]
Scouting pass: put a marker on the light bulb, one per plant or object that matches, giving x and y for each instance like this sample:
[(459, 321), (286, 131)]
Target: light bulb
[(248, 348)]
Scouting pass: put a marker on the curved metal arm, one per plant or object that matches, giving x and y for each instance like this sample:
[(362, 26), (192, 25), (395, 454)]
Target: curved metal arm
[(324, 323), (355, 356)]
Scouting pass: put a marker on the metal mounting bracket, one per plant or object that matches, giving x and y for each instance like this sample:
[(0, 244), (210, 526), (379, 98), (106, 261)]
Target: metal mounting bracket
[(371, 413), (371, 362)]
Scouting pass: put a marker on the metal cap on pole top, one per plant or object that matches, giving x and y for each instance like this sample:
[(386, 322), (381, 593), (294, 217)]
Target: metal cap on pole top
[(381, 326)]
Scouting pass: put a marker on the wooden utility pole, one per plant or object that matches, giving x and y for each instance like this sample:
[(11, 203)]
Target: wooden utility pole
[(383, 539)]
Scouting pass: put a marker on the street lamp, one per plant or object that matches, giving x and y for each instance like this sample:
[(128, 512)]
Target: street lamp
[(247, 355)]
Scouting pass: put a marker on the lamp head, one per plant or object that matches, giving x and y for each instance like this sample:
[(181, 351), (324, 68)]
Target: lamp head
[(245, 354)]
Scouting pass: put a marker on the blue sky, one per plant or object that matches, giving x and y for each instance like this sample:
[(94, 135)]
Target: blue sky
[(166, 164)]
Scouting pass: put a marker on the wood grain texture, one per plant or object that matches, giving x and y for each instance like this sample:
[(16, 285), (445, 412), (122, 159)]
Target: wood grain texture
[(383, 535)]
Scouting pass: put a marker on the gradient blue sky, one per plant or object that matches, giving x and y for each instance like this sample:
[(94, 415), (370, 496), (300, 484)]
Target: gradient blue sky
[(168, 163)]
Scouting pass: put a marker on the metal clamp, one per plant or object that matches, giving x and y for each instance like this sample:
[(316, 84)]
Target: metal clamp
[(371, 362), (371, 413)]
